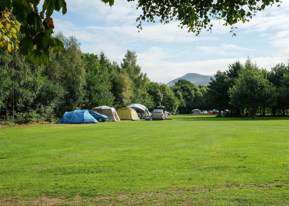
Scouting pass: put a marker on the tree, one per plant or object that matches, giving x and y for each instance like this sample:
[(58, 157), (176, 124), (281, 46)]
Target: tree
[(279, 77), (186, 92), (139, 80), (234, 70), (98, 81), (67, 69), (251, 91), (169, 100), (21, 84), (155, 93), (5, 78), (49, 99), (218, 88), (202, 101), (122, 89), (162, 95), (218, 91)]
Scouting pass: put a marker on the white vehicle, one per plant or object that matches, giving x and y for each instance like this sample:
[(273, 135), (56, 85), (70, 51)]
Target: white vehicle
[(158, 114), (167, 114), (205, 112)]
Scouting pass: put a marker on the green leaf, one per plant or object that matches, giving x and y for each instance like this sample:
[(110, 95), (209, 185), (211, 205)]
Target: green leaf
[(110, 2)]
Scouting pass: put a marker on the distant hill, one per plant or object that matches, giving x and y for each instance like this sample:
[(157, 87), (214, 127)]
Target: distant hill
[(197, 79)]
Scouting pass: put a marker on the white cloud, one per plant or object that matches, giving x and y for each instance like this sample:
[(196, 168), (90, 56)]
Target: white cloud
[(224, 49), (166, 51), (157, 65), (120, 12), (69, 29), (92, 41), (166, 33), (274, 25)]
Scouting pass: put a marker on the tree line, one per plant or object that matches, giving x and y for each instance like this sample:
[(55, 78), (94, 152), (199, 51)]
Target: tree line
[(247, 90), (72, 79)]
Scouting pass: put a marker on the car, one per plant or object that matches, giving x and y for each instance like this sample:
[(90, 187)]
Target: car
[(205, 112), (159, 114)]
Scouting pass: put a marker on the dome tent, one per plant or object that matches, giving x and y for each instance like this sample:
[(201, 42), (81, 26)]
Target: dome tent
[(77, 117), (110, 112), (196, 111), (141, 110), (99, 117), (126, 113)]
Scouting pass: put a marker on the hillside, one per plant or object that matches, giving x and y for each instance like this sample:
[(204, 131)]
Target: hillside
[(197, 79)]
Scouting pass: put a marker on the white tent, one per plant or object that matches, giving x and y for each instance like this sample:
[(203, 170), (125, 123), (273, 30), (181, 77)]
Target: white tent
[(110, 112), (196, 111), (141, 110)]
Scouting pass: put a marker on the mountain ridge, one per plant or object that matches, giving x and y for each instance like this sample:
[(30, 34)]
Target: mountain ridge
[(195, 78)]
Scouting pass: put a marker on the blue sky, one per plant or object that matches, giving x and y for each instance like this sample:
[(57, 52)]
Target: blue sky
[(167, 51)]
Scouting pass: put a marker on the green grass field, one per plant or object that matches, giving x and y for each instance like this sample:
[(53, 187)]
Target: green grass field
[(185, 161)]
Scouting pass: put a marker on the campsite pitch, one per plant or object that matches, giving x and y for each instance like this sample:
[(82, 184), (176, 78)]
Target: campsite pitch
[(185, 161)]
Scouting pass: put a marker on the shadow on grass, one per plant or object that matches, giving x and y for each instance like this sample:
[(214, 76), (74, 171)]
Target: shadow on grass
[(215, 118)]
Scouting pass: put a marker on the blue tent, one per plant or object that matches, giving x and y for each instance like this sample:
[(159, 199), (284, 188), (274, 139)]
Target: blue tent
[(77, 117), (99, 117)]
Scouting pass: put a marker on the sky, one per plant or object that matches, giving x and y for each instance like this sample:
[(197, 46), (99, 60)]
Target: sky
[(166, 52)]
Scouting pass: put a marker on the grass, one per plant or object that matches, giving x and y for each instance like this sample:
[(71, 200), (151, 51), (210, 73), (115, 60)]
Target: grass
[(185, 161)]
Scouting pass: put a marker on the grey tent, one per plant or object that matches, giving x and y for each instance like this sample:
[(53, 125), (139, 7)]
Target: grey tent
[(196, 111), (110, 112), (141, 110)]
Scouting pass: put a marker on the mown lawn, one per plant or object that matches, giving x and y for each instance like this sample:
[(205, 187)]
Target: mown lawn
[(185, 161)]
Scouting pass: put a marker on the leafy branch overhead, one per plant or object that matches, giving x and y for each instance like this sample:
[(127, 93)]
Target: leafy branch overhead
[(197, 15), (35, 35), (9, 28)]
